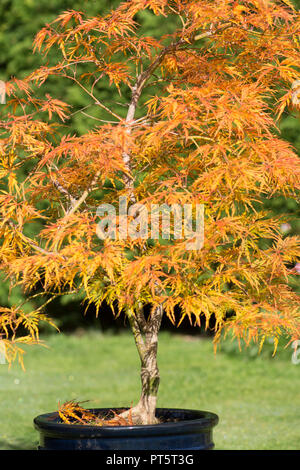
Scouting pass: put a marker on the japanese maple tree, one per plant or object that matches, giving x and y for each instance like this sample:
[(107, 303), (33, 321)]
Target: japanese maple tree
[(208, 134)]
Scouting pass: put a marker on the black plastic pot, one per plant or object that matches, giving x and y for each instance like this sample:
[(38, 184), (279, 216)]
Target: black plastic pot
[(185, 430)]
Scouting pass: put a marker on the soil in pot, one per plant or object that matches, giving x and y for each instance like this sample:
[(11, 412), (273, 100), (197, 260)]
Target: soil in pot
[(178, 429)]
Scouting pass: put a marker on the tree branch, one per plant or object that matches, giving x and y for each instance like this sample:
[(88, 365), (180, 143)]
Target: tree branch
[(97, 102), (142, 80), (77, 203)]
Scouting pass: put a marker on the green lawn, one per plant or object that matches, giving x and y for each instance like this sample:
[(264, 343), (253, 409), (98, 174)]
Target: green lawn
[(257, 400)]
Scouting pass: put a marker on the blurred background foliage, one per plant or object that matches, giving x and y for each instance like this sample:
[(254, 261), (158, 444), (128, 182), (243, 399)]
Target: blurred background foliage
[(20, 22)]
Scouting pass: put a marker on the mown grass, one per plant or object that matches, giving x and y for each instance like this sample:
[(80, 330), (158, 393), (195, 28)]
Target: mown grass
[(257, 400)]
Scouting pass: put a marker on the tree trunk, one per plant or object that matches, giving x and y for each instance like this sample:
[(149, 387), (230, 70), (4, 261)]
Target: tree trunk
[(145, 332), (146, 340)]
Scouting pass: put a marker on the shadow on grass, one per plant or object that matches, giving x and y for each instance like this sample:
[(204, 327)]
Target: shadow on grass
[(18, 444)]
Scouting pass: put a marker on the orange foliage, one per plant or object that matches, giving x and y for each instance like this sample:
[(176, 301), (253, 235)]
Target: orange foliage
[(72, 412), (210, 135)]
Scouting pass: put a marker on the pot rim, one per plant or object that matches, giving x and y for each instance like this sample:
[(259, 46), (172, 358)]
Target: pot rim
[(194, 420)]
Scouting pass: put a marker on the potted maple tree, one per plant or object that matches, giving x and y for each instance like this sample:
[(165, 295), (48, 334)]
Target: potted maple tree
[(205, 145)]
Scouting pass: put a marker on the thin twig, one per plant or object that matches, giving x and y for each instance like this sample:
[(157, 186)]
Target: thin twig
[(97, 102)]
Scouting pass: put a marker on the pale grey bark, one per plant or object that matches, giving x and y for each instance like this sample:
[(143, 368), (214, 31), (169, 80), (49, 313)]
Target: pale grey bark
[(146, 340)]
